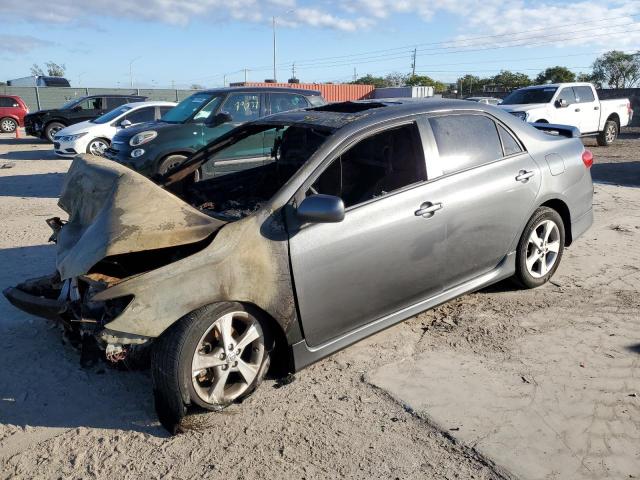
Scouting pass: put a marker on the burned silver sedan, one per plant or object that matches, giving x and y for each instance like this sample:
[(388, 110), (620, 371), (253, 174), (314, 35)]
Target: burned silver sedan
[(357, 216)]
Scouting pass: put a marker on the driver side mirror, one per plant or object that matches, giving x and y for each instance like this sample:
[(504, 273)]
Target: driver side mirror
[(125, 123), (219, 119), (321, 209), (562, 103)]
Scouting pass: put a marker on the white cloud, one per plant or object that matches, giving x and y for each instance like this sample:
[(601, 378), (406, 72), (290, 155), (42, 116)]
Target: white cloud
[(476, 17), (20, 43)]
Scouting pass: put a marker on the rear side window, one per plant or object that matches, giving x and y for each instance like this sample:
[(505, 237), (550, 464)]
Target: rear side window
[(509, 144), (282, 102), (8, 102), (146, 114), (584, 94), (113, 102), (568, 95), (465, 141), (374, 167)]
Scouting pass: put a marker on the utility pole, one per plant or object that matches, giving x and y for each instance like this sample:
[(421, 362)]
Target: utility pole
[(293, 70), (246, 75), (131, 71), (355, 75), (173, 84), (274, 48), (224, 80), (413, 63)]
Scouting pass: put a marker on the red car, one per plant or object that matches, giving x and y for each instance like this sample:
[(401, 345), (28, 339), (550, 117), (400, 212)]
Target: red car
[(12, 112)]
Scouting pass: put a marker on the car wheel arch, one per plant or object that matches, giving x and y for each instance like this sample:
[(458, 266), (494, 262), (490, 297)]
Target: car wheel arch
[(563, 210), (614, 117)]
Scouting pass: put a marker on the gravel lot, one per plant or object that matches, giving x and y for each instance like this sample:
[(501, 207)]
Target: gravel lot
[(60, 421)]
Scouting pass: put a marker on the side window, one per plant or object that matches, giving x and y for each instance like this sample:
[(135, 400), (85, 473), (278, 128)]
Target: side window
[(90, 104), (113, 102), (164, 110), (509, 144), (584, 94), (141, 115), (8, 102), (568, 95), (465, 141), (243, 107), (282, 102), (375, 166)]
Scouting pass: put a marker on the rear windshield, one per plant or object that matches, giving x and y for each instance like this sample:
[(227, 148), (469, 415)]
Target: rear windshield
[(112, 115), (190, 105), (530, 95)]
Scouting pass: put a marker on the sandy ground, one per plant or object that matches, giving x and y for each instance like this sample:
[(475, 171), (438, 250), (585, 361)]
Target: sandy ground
[(60, 421)]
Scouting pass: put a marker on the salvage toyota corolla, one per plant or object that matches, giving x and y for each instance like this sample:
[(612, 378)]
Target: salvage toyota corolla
[(361, 215)]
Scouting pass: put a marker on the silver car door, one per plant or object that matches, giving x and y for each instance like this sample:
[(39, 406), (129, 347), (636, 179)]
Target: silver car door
[(385, 255), (487, 196)]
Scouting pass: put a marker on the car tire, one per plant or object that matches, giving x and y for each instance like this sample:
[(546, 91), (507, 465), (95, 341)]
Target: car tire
[(51, 129), (98, 146), (204, 342), (169, 163), (540, 248), (608, 134), (8, 125)]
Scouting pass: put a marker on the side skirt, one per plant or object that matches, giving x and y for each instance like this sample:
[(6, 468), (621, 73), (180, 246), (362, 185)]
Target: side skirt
[(304, 355)]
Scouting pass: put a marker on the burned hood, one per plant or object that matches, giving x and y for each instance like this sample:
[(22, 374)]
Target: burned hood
[(114, 210)]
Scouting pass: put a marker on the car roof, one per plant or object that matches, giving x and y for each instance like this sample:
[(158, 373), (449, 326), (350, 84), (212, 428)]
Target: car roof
[(123, 95), (150, 103), (363, 112), (302, 91)]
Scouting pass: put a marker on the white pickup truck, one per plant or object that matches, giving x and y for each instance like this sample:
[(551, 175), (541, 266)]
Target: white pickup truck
[(575, 104)]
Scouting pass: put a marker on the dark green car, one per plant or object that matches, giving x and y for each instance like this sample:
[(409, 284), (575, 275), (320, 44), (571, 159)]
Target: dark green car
[(155, 149)]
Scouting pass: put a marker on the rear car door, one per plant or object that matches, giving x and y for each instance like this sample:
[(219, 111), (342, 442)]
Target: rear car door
[(386, 254), (589, 109), (488, 188)]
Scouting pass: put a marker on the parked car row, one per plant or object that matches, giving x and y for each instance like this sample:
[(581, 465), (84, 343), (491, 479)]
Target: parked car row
[(349, 218)]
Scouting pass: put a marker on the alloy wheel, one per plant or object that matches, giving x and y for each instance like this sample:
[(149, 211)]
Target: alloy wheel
[(98, 147), (543, 248), (8, 125), (610, 134), (228, 358)]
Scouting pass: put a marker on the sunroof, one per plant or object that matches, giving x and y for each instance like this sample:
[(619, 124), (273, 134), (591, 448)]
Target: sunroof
[(349, 107)]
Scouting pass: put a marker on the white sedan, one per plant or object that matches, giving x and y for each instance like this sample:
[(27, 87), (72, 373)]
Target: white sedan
[(94, 136)]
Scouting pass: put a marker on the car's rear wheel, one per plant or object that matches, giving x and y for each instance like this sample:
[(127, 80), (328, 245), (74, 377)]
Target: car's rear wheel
[(211, 358), (51, 129), (98, 146), (608, 134), (8, 125), (540, 248)]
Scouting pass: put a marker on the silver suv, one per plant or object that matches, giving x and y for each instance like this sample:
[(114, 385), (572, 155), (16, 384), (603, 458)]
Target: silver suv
[(363, 215)]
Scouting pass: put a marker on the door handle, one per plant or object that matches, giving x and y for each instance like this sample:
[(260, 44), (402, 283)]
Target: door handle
[(577, 110), (524, 175), (427, 208), (596, 108)]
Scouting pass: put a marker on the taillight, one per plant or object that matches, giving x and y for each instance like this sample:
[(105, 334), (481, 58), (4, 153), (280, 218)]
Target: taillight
[(587, 158), (629, 109)]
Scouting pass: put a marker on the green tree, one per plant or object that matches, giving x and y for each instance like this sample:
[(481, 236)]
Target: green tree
[(511, 80), (53, 69), (395, 79), (425, 81), (369, 79), (556, 74), (617, 69), (586, 77)]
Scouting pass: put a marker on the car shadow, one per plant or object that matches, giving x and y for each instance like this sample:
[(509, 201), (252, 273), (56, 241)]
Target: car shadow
[(37, 154), (5, 140), (41, 381), (634, 348), (41, 185), (623, 173)]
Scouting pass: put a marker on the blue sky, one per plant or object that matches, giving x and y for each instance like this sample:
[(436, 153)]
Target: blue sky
[(208, 41)]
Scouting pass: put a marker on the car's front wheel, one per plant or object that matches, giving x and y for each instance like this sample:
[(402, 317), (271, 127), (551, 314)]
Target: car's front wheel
[(212, 357), (540, 248), (51, 129), (8, 125), (98, 146)]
